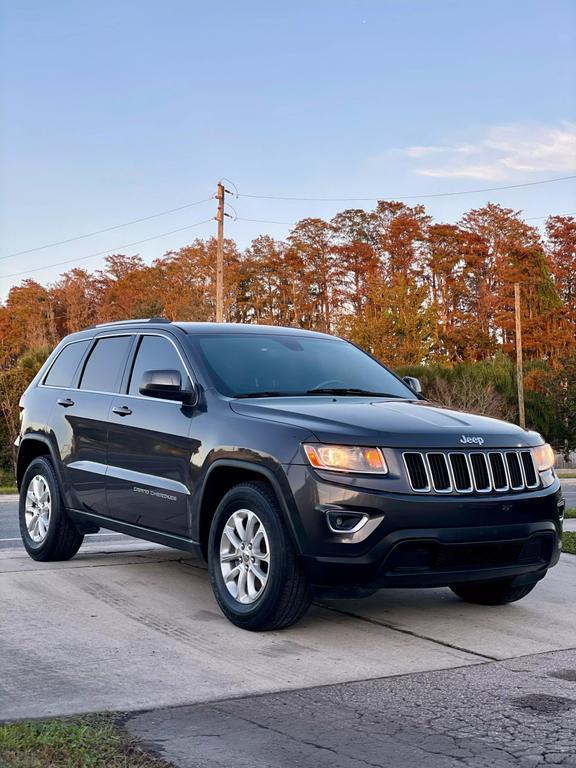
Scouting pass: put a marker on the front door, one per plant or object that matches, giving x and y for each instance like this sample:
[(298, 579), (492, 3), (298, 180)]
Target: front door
[(149, 448)]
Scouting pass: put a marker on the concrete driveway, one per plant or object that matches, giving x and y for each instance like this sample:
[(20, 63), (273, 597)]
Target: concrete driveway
[(128, 625)]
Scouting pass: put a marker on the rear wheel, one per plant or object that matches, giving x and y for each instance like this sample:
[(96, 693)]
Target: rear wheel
[(47, 531), (257, 579), (491, 593)]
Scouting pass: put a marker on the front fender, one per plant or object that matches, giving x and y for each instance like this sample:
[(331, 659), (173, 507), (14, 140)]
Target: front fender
[(274, 473)]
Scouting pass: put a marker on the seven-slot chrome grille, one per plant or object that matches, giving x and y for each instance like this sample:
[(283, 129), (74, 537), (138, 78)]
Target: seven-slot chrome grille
[(471, 471)]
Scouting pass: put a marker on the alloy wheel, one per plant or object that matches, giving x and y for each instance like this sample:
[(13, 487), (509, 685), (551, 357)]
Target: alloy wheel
[(245, 556), (38, 509)]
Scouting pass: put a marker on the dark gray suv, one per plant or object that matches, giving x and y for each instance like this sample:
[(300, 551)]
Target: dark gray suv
[(292, 461)]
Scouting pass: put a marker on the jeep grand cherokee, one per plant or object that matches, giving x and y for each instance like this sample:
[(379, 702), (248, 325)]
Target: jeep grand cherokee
[(290, 460)]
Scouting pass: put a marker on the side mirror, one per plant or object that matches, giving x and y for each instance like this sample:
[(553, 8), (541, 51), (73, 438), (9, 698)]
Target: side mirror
[(413, 383), (166, 385)]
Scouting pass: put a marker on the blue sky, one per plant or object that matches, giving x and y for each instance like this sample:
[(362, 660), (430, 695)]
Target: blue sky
[(112, 111)]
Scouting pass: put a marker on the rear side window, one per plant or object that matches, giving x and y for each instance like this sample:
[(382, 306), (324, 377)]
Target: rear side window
[(156, 353), (104, 367), (61, 374)]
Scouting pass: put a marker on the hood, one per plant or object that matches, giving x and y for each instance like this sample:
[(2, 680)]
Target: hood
[(389, 423)]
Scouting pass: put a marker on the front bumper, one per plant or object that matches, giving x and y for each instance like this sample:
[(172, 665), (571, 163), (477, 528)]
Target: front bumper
[(426, 541), (436, 557)]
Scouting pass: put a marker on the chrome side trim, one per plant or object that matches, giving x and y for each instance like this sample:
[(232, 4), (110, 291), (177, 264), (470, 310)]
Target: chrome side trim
[(95, 467), (120, 473)]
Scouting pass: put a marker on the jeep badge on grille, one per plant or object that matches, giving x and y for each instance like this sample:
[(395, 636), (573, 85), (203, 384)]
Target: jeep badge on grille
[(471, 440)]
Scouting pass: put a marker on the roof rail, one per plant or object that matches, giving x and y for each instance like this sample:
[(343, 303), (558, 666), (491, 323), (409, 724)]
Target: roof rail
[(135, 322)]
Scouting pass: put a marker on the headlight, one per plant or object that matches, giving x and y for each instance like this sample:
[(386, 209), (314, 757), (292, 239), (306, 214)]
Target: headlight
[(544, 457), (345, 458)]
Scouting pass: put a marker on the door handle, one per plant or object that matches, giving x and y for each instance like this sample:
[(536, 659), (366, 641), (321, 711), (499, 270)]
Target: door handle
[(122, 410), (65, 402)]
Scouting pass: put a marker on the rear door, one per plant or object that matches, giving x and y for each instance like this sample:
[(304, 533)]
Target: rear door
[(81, 421), (149, 455)]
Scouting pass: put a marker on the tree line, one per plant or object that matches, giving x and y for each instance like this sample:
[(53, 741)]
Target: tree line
[(424, 297)]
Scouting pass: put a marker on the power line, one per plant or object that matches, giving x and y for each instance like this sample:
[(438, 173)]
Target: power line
[(172, 232), (406, 197), (277, 197), (293, 223), (106, 229), (110, 250), (266, 221)]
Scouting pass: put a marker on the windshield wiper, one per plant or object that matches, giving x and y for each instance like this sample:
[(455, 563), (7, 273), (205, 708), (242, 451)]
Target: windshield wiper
[(321, 391), (349, 391), (271, 393)]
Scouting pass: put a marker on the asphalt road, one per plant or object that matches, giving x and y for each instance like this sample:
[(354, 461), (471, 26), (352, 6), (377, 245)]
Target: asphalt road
[(569, 488), (404, 678), (498, 715), (10, 534)]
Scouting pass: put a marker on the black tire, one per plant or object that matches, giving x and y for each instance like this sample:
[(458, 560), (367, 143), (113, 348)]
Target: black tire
[(286, 596), (62, 539), (491, 592)]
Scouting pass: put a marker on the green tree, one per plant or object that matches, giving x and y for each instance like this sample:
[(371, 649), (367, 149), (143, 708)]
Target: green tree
[(397, 326)]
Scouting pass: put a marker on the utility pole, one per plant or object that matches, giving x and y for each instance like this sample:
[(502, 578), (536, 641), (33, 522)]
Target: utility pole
[(220, 254), (519, 362)]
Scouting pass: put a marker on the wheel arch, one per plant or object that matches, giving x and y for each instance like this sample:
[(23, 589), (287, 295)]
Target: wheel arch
[(223, 475), (31, 447)]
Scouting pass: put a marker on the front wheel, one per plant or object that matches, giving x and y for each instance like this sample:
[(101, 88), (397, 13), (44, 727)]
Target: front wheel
[(255, 574), (491, 593), (47, 531)]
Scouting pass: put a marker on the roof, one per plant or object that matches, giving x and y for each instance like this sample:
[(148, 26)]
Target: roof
[(197, 328), (193, 328)]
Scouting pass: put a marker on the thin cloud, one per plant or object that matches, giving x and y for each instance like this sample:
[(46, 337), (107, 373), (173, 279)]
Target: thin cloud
[(465, 149), (501, 153)]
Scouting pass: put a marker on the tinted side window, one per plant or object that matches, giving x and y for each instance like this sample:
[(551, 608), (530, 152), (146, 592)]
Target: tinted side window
[(156, 353), (104, 366), (61, 374)]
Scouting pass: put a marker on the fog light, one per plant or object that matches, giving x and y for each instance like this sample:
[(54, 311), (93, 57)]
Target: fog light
[(342, 521)]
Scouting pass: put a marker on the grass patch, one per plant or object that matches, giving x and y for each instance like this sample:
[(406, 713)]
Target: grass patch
[(7, 482), (569, 542), (570, 512), (562, 473), (91, 741)]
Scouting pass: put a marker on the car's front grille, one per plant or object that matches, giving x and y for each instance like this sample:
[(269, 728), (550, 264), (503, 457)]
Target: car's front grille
[(499, 478), (417, 471), (439, 471), (470, 472), (529, 469)]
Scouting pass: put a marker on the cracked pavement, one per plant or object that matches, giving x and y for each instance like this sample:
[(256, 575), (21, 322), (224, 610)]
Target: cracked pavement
[(520, 712)]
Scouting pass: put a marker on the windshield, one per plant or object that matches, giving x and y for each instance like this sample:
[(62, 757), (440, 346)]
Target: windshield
[(259, 365)]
